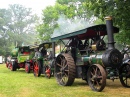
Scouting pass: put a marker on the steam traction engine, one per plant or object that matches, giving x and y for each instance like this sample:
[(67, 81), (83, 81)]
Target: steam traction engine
[(19, 57), (44, 64), (86, 55)]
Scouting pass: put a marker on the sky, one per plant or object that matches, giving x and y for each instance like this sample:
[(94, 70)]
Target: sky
[(36, 5)]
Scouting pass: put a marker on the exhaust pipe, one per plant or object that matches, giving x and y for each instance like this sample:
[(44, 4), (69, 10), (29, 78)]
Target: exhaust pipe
[(110, 31)]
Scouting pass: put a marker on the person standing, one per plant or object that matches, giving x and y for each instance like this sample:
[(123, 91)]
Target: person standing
[(39, 57)]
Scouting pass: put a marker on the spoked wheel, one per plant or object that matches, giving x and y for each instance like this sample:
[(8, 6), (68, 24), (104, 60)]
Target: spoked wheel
[(65, 70), (47, 72), (96, 76), (37, 69), (124, 75), (27, 67)]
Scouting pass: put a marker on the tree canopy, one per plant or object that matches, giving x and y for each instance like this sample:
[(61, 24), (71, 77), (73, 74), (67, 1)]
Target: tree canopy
[(89, 10), (118, 9), (71, 9), (17, 26)]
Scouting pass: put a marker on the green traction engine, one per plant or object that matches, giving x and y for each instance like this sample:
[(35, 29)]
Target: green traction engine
[(87, 55), (19, 57), (44, 63)]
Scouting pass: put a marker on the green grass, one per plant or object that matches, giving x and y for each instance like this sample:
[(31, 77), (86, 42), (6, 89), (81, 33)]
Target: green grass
[(21, 84)]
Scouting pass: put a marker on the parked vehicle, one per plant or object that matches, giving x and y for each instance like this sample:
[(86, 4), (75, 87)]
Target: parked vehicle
[(86, 55), (43, 63), (124, 71), (18, 58)]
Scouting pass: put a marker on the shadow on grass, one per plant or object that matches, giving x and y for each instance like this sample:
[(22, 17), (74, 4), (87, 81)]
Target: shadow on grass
[(80, 83), (110, 84), (114, 84)]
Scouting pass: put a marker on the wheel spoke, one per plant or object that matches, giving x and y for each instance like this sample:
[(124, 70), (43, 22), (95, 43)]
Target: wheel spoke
[(59, 65), (65, 67), (64, 62), (61, 61), (96, 70), (67, 70), (64, 79), (92, 73), (59, 73), (97, 84)]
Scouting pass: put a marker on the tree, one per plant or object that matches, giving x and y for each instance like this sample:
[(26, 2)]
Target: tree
[(17, 25), (22, 19), (50, 16), (71, 9), (119, 9), (4, 20)]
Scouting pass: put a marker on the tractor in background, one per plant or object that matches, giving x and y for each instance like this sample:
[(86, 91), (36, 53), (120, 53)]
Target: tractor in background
[(19, 56)]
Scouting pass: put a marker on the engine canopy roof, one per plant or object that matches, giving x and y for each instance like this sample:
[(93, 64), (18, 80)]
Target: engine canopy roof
[(88, 32)]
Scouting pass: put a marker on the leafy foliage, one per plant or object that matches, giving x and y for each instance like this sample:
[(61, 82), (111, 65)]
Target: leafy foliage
[(88, 10), (71, 9), (119, 9), (17, 25)]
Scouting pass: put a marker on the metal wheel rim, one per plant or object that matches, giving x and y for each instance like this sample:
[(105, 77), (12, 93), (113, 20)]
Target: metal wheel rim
[(96, 78), (62, 71), (36, 68), (125, 75), (48, 75)]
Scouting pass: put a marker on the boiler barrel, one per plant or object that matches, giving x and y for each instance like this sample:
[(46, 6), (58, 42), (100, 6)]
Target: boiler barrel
[(93, 59)]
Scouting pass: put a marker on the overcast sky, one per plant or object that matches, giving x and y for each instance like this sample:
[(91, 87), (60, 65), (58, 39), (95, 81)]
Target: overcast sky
[(36, 5)]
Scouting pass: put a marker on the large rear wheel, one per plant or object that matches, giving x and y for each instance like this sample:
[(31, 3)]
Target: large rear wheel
[(96, 77), (124, 75), (37, 69), (65, 69)]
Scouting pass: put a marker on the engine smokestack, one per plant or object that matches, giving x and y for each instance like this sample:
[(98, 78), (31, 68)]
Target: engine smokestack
[(110, 31)]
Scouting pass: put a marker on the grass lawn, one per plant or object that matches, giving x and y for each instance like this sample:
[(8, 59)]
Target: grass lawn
[(20, 84)]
